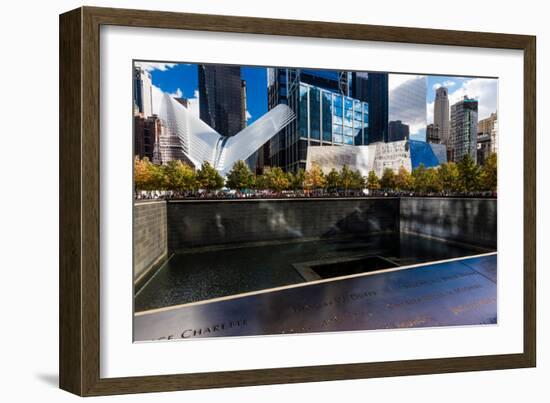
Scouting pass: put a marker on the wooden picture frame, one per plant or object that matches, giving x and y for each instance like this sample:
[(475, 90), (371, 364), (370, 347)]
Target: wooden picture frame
[(79, 346)]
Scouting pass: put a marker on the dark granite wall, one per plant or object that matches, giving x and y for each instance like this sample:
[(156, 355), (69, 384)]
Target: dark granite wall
[(472, 221), (150, 235), (225, 222), (209, 223)]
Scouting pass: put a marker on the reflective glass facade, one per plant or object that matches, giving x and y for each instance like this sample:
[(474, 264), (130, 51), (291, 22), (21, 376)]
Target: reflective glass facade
[(373, 89), (221, 98), (339, 118), (407, 103), (325, 114), (464, 129)]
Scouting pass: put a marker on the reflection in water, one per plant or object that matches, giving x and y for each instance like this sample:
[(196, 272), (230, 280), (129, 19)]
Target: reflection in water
[(206, 274)]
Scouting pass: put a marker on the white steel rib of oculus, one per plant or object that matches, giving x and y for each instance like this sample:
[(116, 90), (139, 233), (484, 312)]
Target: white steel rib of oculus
[(201, 143)]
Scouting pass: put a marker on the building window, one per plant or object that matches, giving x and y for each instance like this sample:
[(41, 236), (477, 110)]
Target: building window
[(348, 103), (337, 102), (302, 118), (315, 113), (327, 116), (358, 136), (337, 138)]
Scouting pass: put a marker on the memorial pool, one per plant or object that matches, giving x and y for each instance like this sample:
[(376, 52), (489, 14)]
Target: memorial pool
[(200, 274)]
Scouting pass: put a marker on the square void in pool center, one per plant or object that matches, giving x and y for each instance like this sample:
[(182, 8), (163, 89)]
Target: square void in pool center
[(203, 274)]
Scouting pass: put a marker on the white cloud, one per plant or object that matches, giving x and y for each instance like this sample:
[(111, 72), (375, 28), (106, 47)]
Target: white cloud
[(194, 104), (148, 66), (177, 94), (396, 80), (430, 114), (482, 89), (446, 83)]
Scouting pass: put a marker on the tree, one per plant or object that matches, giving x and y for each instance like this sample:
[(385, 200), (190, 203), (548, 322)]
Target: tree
[(148, 176), (142, 173), (489, 173), (387, 182), (333, 180), (240, 177), (420, 177), (208, 177), (432, 180), (260, 182), (346, 178), (158, 177), (469, 174), (373, 183), (296, 181), (403, 179), (358, 181), (314, 178), (179, 176), (448, 177), (276, 179)]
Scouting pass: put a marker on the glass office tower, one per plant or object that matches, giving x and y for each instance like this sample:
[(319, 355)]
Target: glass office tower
[(221, 98), (326, 115), (407, 103), (464, 129), (373, 89), (328, 118)]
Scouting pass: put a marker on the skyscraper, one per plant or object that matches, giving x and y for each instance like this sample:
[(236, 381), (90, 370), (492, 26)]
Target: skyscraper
[(441, 114), (373, 89), (487, 137), (220, 98), (326, 115), (407, 103), (243, 104), (432, 134), (398, 131), (143, 98), (463, 134)]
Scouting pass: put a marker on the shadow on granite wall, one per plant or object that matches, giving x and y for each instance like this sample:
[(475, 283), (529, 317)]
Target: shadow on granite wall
[(193, 224), (185, 224), (471, 221)]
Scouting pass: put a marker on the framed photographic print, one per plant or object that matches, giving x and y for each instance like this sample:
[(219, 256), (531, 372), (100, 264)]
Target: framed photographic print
[(251, 201)]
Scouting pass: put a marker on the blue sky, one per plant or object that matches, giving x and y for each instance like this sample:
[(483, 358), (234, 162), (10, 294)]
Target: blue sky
[(485, 90), (182, 80)]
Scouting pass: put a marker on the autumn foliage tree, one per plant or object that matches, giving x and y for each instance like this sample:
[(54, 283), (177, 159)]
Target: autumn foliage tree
[(403, 179), (276, 179), (469, 174), (387, 181), (314, 178), (448, 174), (148, 176), (208, 177), (373, 182), (240, 177), (450, 178), (179, 176), (489, 173), (296, 180), (333, 180)]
